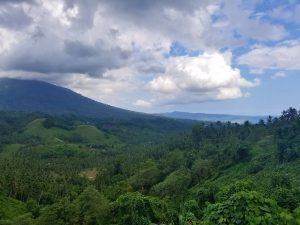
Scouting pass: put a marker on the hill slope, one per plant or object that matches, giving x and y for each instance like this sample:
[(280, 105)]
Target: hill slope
[(38, 96)]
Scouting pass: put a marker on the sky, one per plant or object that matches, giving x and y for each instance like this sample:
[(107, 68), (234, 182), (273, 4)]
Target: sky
[(210, 56)]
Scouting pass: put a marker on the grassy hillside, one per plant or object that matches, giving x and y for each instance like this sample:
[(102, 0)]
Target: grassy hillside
[(81, 133)]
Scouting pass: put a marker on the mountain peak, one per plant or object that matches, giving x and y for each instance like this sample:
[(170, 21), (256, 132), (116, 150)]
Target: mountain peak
[(40, 96)]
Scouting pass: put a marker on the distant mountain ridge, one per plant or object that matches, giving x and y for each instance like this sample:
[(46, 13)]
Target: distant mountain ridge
[(213, 117), (39, 96)]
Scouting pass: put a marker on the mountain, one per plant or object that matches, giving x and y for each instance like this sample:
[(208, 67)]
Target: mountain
[(38, 96), (213, 117)]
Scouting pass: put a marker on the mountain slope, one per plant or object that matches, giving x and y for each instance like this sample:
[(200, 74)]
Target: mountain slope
[(38, 96), (213, 117)]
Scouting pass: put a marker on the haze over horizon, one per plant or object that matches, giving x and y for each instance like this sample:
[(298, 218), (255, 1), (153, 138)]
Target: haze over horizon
[(223, 57)]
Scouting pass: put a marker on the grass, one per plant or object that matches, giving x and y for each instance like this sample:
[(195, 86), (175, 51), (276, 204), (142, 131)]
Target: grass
[(85, 134)]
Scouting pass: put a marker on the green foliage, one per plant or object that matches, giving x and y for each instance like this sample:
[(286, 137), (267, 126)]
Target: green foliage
[(246, 208), (10, 208), (205, 195), (201, 170), (76, 171), (287, 197), (25, 219), (172, 161), (256, 165), (136, 209), (174, 185), (242, 153), (60, 213), (115, 190), (190, 213), (146, 177), (89, 208), (92, 207), (232, 189), (280, 180)]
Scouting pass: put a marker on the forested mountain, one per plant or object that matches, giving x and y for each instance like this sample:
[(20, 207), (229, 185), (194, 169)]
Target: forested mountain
[(38, 96), (214, 117), (76, 171)]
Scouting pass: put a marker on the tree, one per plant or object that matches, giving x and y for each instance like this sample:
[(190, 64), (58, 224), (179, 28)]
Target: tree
[(60, 213), (137, 209), (92, 207), (242, 153), (198, 133), (190, 213), (289, 114), (25, 219), (146, 177), (246, 208), (201, 169), (174, 185)]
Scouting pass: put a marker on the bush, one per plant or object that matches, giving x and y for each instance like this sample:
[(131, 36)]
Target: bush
[(280, 180), (137, 209), (246, 208)]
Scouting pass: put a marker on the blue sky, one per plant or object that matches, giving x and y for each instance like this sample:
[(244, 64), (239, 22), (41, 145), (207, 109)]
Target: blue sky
[(233, 56)]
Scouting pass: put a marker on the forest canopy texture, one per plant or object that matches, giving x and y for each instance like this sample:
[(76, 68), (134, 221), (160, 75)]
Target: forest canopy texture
[(67, 170)]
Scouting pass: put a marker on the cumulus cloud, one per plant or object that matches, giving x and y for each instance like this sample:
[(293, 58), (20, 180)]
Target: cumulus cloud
[(14, 17), (109, 50), (16, 1), (283, 56), (209, 76), (142, 103), (64, 56), (287, 13), (279, 74), (241, 19)]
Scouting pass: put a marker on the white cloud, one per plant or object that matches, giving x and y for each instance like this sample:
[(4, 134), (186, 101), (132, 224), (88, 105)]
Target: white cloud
[(209, 76), (237, 18), (57, 10), (7, 40), (110, 50), (142, 103), (288, 13), (284, 56), (279, 74), (112, 89)]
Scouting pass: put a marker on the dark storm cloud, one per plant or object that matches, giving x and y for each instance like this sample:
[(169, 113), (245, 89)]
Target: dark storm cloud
[(136, 6), (78, 49), (16, 1), (70, 56), (44, 53), (139, 11), (37, 34), (14, 18), (74, 57)]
